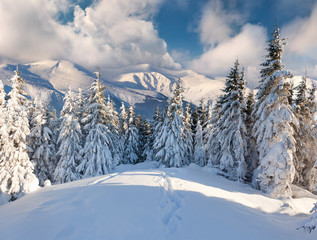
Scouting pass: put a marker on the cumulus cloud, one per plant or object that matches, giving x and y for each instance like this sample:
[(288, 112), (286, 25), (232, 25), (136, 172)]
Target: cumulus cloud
[(216, 23), (109, 33), (301, 50), (223, 45)]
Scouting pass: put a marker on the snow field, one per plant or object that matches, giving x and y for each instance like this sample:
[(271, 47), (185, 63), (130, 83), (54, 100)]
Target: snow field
[(187, 203)]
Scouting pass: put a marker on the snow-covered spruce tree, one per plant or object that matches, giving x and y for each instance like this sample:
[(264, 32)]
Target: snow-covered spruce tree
[(304, 162), (169, 144), (50, 132), (251, 154), (97, 155), (16, 172), (145, 132), (212, 144), (81, 101), (199, 152), (69, 141), (194, 119), (156, 127), (188, 136), (132, 148), (112, 116), (43, 149), (202, 114), (231, 127), (273, 129), (208, 126), (311, 225), (112, 120), (3, 129), (123, 120), (2, 113)]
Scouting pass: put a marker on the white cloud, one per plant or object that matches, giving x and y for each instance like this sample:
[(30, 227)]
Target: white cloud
[(215, 24), (302, 34), (223, 46), (110, 33), (301, 51)]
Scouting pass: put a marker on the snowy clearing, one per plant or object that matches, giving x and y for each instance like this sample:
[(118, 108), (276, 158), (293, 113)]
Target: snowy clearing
[(141, 203)]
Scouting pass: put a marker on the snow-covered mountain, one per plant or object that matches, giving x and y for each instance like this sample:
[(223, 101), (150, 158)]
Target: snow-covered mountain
[(137, 202), (144, 86)]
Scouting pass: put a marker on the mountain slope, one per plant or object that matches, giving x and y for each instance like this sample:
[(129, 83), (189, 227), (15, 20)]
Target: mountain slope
[(142, 85), (187, 203)]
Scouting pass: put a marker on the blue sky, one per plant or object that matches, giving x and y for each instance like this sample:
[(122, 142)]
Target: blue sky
[(177, 21), (202, 35)]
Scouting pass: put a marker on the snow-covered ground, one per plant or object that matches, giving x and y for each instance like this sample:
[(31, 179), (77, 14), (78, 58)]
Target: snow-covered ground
[(143, 203)]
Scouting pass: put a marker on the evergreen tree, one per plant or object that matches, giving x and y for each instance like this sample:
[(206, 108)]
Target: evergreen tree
[(169, 144), (50, 133), (305, 157), (16, 171), (199, 152), (145, 132), (43, 150), (81, 101), (311, 225), (231, 127), (188, 136), (132, 151), (274, 124), (202, 114), (2, 113), (156, 131), (112, 121), (194, 120), (97, 154), (208, 123), (212, 144), (69, 142), (251, 165), (123, 119)]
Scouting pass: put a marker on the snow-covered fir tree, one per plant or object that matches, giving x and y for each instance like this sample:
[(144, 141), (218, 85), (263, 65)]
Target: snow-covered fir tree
[(251, 165), (274, 124), (305, 158), (169, 147), (112, 121), (97, 152), (199, 152), (212, 144), (145, 132), (231, 127), (43, 149), (208, 123), (132, 148), (2, 113), (123, 119), (16, 171), (202, 114), (81, 101), (112, 116), (69, 140), (188, 135), (311, 225), (194, 119), (156, 127), (51, 132)]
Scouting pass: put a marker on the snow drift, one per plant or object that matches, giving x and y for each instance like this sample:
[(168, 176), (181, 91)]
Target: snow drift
[(187, 203)]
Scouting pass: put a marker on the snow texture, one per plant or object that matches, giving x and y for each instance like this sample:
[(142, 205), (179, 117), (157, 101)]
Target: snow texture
[(137, 203)]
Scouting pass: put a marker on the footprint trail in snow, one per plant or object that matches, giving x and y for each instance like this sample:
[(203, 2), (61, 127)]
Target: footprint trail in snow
[(170, 204)]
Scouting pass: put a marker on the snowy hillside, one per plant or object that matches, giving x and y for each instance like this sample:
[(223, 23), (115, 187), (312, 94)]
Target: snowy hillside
[(141, 85), (186, 203)]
